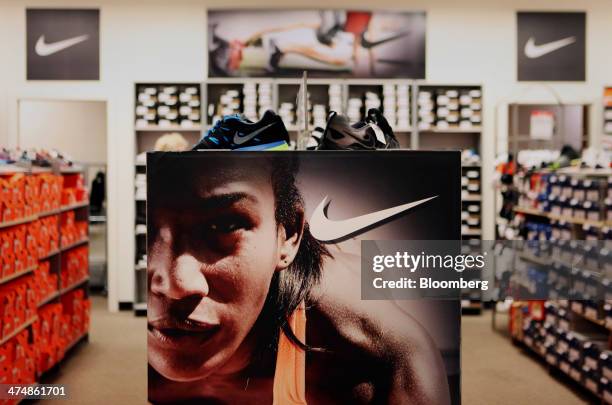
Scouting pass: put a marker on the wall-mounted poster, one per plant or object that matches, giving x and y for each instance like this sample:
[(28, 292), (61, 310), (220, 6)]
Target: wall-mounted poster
[(254, 289), (551, 46), (63, 44), (326, 43)]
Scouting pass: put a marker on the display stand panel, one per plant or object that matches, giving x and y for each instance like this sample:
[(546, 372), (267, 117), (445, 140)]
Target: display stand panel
[(241, 275)]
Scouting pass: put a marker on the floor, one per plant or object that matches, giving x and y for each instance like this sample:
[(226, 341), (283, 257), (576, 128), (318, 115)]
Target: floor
[(494, 372), (111, 367)]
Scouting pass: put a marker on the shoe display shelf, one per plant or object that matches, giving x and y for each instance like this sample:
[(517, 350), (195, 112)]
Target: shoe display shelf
[(454, 111), (572, 337), (44, 273)]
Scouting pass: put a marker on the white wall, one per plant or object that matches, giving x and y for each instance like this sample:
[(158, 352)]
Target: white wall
[(76, 128), (471, 42)]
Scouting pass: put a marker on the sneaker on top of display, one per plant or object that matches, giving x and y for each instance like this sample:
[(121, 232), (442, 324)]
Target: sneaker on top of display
[(372, 133), (315, 138), (236, 132)]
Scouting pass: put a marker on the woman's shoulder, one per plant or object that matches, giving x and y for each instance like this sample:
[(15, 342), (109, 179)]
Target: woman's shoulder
[(373, 325), (376, 334)]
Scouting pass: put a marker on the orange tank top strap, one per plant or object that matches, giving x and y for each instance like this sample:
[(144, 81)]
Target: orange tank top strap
[(290, 373)]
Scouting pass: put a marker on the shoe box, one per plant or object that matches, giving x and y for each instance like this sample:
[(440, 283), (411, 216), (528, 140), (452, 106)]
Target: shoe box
[(45, 282), (46, 335), (18, 302), (449, 108), (257, 99), (167, 105), (13, 197), (16, 256), (73, 230), (25, 195), (18, 361), (22, 245), (58, 326), (75, 264), (73, 190), (471, 196)]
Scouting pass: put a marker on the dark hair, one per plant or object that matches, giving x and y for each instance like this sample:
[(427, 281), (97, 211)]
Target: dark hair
[(293, 285)]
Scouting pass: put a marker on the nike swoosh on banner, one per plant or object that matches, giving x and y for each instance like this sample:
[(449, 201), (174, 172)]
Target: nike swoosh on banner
[(239, 140), (533, 51), (43, 49), (371, 44), (326, 230)]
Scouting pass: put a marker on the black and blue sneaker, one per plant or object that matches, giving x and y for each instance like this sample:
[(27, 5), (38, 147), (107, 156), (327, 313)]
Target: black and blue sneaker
[(236, 132)]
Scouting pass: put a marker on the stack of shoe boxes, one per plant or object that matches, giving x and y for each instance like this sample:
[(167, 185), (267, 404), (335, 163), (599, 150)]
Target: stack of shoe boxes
[(36, 329), (287, 113), (447, 108), (471, 198), (257, 99), (335, 98), (354, 109), (189, 106), (167, 106), (146, 106)]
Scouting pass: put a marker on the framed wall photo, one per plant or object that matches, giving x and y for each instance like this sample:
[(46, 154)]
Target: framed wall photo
[(252, 247), (327, 43), (63, 44), (551, 46)]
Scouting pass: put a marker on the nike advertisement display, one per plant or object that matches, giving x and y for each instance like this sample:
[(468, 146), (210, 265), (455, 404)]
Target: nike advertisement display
[(254, 277), (551, 46), (63, 44), (327, 43)]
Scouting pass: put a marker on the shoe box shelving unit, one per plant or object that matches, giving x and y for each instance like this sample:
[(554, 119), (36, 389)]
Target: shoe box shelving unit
[(572, 337), (44, 273), (353, 97)]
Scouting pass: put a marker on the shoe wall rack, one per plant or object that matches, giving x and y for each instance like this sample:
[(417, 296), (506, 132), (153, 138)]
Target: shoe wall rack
[(423, 116), (44, 272)]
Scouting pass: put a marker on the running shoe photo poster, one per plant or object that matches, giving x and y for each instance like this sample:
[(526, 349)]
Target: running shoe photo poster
[(242, 272), (326, 43)]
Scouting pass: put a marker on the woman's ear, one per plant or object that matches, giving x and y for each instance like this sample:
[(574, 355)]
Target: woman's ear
[(289, 238)]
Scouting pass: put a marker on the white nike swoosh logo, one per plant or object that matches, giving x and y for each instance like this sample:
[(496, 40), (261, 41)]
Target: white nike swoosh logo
[(533, 51), (43, 49), (326, 230), (239, 140)]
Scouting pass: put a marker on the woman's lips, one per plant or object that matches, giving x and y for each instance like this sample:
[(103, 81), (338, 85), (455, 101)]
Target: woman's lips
[(173, 334)]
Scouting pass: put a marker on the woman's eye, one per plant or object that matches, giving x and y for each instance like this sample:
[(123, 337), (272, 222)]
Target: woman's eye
[(226, 225)]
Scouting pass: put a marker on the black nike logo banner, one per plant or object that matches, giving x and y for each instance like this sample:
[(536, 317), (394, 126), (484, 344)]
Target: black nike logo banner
[(551, 46), (63, 44)]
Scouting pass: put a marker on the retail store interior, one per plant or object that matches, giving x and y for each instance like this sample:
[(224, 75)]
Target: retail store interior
[(523, 89)]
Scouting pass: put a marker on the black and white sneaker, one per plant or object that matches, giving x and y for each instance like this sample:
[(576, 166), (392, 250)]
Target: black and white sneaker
[(372, 133)]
